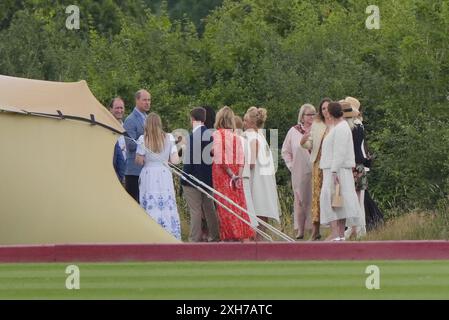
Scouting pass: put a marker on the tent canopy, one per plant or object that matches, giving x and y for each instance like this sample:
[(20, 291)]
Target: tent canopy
[(58, 185), (59, 99)]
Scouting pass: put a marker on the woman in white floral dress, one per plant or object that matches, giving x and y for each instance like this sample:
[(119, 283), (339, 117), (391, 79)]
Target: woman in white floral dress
[(157, 192)]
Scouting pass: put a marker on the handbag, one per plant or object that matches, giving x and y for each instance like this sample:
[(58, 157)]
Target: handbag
[(337, 200)]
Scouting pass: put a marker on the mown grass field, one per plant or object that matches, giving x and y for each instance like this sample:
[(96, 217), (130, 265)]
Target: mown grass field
[(228, 280)]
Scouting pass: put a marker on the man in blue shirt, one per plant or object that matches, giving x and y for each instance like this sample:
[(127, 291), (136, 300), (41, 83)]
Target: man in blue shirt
[(134, 126)]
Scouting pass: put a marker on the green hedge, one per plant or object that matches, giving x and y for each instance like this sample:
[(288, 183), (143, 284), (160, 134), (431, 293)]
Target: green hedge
[(278, 54)]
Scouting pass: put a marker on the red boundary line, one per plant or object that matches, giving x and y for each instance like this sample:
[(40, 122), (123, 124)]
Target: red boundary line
[(379, 250)]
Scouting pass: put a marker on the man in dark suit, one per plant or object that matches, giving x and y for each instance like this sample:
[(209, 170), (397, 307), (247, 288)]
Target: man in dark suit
[(198, 163), (134, 126), (119, 163)]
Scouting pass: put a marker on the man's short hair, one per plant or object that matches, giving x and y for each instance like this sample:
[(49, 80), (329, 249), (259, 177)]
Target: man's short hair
[(113, 100), (139, 93), (198, 114)]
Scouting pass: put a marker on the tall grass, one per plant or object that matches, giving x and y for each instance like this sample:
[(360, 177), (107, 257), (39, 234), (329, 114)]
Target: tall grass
[(182, 210), (415, 225)]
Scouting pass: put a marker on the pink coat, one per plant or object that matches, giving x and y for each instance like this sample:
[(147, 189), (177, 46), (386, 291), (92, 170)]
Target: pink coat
[(298, 162)]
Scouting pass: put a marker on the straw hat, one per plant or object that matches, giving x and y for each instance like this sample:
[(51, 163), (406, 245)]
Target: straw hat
[(348, 110), (355, 104)]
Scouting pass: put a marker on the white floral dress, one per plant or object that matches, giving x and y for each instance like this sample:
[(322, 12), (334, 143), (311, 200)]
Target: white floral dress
[(156, 189)]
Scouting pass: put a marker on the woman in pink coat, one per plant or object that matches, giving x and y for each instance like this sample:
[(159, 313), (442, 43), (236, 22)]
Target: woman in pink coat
[(298, 162)]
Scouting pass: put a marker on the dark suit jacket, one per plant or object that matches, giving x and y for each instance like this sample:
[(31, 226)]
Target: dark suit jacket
[(119, 162), (358, 136), (197, 159)]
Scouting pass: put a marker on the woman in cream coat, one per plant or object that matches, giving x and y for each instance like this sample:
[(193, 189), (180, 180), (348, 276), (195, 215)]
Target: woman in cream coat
[(312, 142), (337, 161)]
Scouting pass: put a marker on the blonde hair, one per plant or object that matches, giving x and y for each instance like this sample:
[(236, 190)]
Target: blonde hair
[(350, 122), (257, 116), (303, 109), (225, 119), (154, 136)]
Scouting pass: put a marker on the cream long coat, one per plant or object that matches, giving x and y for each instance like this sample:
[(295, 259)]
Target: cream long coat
[(314, 141)]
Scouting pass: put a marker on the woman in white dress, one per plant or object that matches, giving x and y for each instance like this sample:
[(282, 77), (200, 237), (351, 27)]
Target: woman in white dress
[(262, 171), (337, 162), (156, 189), (246, 173)]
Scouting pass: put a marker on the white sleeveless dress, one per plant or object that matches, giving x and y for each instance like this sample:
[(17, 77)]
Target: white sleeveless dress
[(246, 175), (156, 189), (263, 180)]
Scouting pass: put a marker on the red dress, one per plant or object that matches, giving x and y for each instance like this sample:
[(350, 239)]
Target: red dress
[(228, 152)]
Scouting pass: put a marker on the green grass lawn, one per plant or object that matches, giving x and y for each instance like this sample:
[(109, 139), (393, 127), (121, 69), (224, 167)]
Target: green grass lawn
[(228, 280)]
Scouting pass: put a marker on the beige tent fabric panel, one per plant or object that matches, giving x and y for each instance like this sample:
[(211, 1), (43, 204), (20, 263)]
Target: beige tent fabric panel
[(58, 186), (71, 98)]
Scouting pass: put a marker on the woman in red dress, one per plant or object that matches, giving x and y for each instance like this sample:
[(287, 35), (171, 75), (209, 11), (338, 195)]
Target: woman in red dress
[(227, 177)]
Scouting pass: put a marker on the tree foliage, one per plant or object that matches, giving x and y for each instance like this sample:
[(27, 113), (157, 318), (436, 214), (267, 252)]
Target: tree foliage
[(277, 54)]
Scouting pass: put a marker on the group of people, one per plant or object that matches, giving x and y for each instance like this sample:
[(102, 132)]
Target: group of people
[(228, 175), (324, 150)]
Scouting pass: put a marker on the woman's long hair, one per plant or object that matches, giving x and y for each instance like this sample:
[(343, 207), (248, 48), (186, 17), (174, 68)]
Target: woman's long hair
[(225, 119), (320, 115), (153, 134)]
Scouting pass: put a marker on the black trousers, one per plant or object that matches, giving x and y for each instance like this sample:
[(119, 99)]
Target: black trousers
[(132, 186)]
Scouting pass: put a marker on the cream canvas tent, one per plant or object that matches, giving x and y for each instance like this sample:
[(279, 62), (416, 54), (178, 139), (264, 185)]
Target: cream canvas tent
[(57, 182)]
